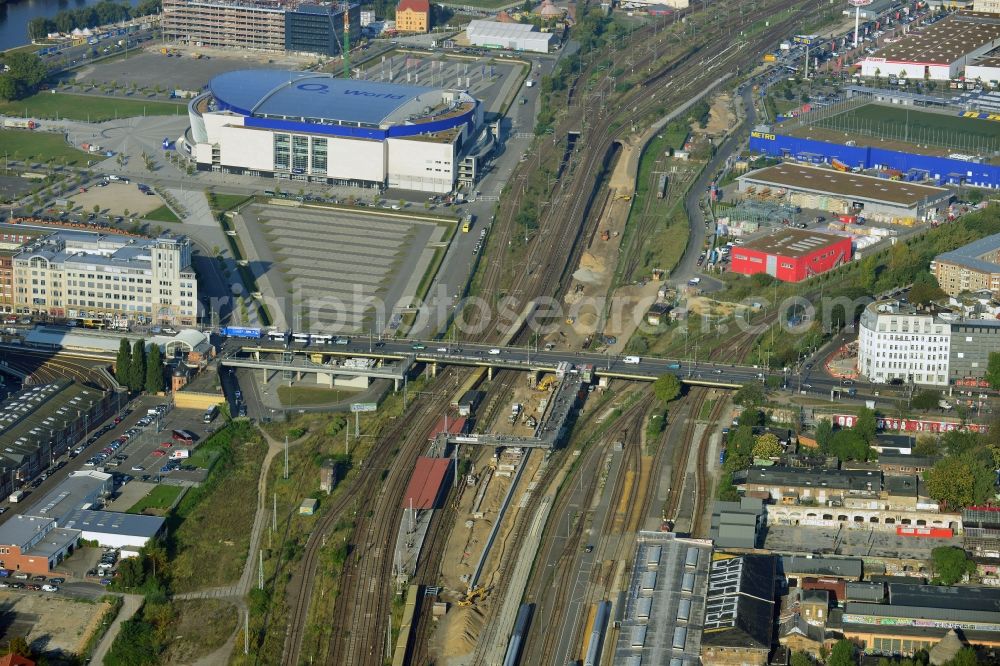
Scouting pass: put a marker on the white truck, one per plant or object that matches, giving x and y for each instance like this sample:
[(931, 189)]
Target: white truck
[(16, 496), (179, 454), (632, 360)]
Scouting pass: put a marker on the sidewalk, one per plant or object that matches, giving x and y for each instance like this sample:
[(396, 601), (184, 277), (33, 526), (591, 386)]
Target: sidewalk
[(130, 605)]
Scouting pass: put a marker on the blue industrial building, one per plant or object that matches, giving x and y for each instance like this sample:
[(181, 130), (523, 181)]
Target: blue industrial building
[(941, 170)]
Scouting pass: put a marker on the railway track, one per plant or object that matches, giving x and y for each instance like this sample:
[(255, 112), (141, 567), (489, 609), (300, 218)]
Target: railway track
[(561, 226), (365, 596), (48, 370), (541, 644), (420, 412), (365, 604)]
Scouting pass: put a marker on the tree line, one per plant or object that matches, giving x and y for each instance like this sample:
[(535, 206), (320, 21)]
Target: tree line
[(139, 369), (103, 13), (25, 72)]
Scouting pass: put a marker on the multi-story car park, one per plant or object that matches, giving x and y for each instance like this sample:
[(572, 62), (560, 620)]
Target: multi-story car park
[(817, 188), (86, 274), (938, 51), (972, 267), (266, 25), (315, 127)]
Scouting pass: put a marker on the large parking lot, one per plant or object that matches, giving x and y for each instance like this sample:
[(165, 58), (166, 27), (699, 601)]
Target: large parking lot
[(338, 266), (150, 67), (486, 79), (152, 450)]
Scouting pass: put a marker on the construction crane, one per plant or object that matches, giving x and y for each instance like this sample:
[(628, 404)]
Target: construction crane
[(347, 40)]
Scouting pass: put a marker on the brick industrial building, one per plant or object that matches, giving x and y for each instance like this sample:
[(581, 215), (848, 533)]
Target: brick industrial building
[(972, 267), (791, 255)]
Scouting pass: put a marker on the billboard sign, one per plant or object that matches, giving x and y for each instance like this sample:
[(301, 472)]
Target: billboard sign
[(357, 407), (910, 425)]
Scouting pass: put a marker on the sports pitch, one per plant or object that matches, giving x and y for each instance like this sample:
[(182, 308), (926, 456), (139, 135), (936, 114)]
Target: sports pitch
[(920, 127)]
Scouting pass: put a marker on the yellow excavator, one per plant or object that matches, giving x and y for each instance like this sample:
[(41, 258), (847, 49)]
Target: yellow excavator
[(474, 595), (546, 383), (623, 197)]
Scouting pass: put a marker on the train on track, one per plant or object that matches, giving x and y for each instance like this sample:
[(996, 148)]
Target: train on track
[(516, 643)]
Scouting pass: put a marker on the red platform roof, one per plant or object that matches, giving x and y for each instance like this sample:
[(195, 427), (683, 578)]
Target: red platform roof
[(456, 426), (425, 484)]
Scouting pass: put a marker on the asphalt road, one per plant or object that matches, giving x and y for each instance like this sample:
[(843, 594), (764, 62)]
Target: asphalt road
[(688, 267)]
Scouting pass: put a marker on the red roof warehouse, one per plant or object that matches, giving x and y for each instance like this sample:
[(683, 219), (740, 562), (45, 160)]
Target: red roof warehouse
[(425, 486), (791, 255)]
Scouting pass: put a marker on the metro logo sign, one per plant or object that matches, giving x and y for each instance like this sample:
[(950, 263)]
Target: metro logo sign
[(762, 135)]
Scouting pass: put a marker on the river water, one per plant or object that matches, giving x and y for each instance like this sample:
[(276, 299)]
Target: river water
[(15, 15)]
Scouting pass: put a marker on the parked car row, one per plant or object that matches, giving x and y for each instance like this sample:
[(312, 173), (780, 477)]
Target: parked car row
[(109, 456), (11, 579)]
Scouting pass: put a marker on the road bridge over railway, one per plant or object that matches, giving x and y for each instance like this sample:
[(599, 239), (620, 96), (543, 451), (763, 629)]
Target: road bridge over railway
[(294, 366), (434, 353)]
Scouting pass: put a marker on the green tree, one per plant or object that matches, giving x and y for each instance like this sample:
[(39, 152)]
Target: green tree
[(847, 444), (134, 645), (154, 370), (925, 400), (993, 371), (866, 426), (749, 395), (869, 273), (123, 364), (18, 645), (842, 654), (824, 433), (25, 73), (138, 375), (801, 659), (965, 657), (925, 290), (961, 481), (951, 564), (666, 387), (767, 446)]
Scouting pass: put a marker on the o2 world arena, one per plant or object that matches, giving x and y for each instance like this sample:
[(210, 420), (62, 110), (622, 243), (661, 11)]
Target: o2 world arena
[(315, 127)]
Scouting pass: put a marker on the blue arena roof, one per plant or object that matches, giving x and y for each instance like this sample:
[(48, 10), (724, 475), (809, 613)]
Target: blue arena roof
[(317, 97)]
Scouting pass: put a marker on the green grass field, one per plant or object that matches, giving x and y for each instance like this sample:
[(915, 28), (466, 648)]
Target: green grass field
[(223, 202), (160, 498), (300, 396), (162, 214), (923, 127), (86, 107), (34, 146)]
